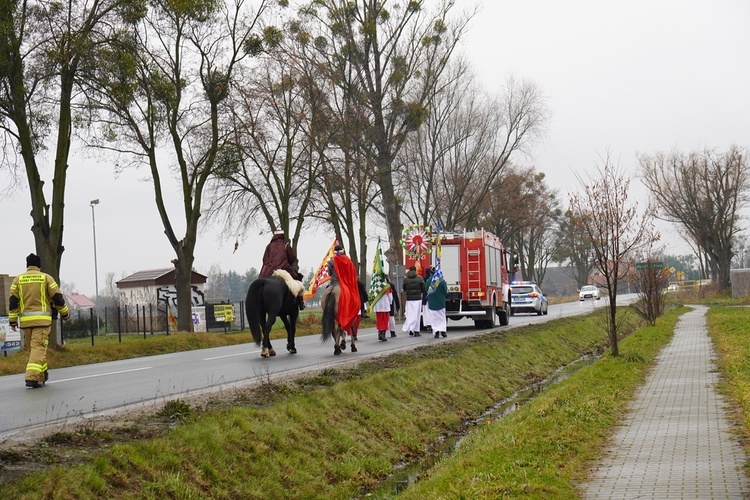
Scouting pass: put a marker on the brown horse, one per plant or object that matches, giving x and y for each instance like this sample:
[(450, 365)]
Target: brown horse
[(330, 324)]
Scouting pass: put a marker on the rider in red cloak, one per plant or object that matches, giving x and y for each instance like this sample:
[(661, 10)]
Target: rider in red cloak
[(344, 274)]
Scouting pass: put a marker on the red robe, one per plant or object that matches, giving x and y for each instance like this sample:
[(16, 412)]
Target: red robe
[(349, 301)]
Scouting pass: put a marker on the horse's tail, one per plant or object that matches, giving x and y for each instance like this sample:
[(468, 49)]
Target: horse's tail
[(328, 320), (254, 309)]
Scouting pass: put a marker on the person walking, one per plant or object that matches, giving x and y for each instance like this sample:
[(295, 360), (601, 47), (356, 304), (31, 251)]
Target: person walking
[(437, 291), (382, 310), (425, 311), (414, 289), (279, 254), (33, 296), (395, 307)]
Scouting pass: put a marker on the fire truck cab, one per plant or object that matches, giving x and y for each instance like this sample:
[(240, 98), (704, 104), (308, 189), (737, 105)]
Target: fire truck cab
[(476, 269)]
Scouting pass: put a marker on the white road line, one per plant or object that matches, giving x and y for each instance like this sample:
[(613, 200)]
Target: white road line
[(231, 355), (98, 375)]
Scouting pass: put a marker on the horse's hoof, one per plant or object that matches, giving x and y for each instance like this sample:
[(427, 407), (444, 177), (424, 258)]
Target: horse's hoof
[(343, 346), (264, 353), (291, 349), (336, 352), (272, 352), (354, 348)]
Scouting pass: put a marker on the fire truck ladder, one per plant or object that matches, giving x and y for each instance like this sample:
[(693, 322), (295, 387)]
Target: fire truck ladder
[(474, 268)]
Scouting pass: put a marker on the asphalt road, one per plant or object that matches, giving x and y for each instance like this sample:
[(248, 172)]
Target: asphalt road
[(102, 389)]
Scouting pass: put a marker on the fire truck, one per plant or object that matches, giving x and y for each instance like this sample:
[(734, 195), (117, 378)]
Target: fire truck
[(478, 271)]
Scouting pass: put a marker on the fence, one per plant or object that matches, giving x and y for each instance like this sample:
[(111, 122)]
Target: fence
[(145, 319)]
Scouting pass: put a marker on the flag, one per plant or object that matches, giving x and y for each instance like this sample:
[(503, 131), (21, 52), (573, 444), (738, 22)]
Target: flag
[(321, 277), (438, 274), (378, 284)]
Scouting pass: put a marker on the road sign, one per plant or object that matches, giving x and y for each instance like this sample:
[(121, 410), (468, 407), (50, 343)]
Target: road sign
[(641, 266)]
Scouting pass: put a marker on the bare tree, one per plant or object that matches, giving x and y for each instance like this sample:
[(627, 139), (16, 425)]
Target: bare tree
[(616, 229), (392, 55), (574, 248), (46, 50), (271, 167), (454, 164), (162, 102), (651, 282), (704, 193)]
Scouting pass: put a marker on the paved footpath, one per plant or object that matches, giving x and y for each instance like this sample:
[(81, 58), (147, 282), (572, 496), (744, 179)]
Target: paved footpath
[(676, 440)]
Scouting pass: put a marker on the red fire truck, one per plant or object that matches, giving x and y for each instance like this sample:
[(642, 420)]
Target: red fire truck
[(478, 271)]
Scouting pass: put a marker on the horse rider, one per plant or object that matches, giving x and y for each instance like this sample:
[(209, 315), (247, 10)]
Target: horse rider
[(279, 254), (344, 288)]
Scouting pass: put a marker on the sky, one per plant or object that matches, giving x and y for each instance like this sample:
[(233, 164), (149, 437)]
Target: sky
[(619, 78)]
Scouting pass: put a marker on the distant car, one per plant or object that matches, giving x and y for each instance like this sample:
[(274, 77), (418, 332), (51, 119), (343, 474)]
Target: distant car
[(673, 287), (589, 292), (527, 297)]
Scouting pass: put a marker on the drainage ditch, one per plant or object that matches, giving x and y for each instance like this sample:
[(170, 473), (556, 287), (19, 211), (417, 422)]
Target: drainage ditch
[(408, 473)]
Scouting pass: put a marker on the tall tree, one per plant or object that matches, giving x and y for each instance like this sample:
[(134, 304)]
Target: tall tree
[(162, 102), (47, 49), (574, 248), (393, 54), (704, 193), (616, 229)]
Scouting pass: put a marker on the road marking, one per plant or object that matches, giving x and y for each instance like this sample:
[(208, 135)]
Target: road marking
[(230, 355), (98, 375)]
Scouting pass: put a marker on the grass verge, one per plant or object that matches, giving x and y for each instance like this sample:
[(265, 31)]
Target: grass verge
[(340, 432), (728, 330)]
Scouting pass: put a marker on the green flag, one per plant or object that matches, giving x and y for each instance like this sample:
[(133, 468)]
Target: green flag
[(378, 284)]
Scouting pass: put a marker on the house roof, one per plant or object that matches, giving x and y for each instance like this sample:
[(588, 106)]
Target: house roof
[(80, 300), (151, 277)]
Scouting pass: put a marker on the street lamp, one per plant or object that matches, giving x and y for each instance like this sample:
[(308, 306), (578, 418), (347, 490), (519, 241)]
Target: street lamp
[(93, 203)]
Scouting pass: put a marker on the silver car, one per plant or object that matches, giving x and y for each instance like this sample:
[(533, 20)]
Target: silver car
[(527, 297)]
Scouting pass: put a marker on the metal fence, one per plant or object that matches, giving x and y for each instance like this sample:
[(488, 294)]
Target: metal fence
[(144, 319)]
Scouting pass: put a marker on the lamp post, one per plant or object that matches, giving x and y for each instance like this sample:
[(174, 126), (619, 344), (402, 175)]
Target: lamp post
[(93, 203)]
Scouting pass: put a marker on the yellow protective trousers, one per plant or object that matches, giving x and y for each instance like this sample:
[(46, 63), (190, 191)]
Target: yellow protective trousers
[(37, 337)]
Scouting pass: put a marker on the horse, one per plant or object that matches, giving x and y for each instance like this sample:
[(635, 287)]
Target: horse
[(267, 299), (332, 327)]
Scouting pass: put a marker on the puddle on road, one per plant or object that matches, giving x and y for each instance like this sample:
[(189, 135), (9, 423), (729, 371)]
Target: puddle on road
[(409, 473)]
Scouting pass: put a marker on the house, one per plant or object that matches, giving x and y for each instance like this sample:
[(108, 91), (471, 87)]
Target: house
[(157, 286), (77, 301)]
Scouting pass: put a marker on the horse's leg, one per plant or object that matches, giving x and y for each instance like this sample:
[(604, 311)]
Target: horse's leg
[(342, 344), (291, 326), (267, 335), (354, 338), (336, 339)]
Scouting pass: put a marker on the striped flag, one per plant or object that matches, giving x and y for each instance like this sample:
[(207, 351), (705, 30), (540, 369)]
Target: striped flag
[(321, 277), (379, 284)]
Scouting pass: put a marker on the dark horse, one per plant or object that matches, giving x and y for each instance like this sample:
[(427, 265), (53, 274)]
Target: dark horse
[(267, 299)]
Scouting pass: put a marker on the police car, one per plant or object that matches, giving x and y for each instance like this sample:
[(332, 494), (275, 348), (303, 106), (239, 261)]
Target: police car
[(527, 297)]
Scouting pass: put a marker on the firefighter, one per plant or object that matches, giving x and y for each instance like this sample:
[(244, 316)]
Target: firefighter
[(34, 296)]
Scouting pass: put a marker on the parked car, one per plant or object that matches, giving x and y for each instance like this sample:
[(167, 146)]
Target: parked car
[(589, 292), (527, 297), (673, 287)]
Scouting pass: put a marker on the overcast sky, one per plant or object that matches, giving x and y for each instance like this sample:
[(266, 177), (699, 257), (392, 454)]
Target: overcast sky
[(620, 76)]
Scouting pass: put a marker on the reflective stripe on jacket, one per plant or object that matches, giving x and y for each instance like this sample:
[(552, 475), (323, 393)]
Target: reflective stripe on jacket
[(34, 291)]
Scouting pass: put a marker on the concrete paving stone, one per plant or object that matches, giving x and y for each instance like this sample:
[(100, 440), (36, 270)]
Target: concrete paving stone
[(675, 441)]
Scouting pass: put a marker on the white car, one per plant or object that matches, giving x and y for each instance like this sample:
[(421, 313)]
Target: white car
[(527, 297), (589, 291)]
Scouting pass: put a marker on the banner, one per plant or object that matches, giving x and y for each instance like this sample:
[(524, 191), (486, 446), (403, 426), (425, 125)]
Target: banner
[(438, 274), (9, 340), (321, 277), (379, 284)]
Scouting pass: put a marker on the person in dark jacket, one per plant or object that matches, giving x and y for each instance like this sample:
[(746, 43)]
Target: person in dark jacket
[(395, 307), (414, 289), (279, 254)]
